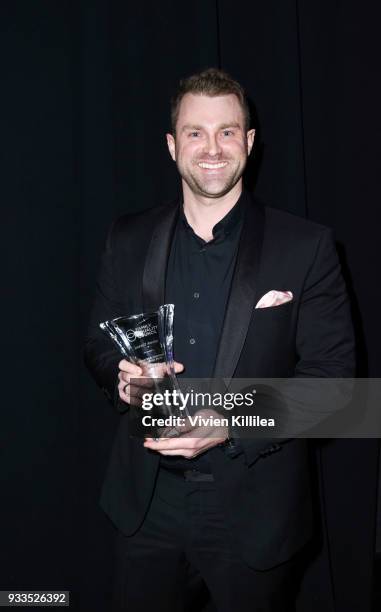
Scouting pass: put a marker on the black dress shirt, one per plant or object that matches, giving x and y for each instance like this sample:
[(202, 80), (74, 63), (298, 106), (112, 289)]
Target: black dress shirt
[(198, 280)]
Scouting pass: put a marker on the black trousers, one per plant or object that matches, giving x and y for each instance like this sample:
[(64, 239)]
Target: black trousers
[(184, 541)]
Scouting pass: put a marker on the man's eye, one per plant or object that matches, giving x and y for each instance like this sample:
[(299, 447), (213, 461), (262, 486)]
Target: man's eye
[(227, 132), (194, 134)]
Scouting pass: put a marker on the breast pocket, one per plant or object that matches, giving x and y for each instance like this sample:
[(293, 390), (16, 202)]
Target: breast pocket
[(274, 325), (269, 349), (278, 310)]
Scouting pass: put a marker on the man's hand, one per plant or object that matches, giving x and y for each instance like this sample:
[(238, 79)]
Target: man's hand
[(203, 438), (135, 380)]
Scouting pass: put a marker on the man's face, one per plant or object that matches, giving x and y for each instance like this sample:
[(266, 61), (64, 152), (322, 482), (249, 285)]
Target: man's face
[(211, 146)]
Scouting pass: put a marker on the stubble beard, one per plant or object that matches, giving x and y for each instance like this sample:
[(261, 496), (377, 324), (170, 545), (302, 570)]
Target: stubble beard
[(200, 188)]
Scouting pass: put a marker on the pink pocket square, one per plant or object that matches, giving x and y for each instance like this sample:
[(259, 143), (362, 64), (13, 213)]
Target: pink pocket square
[(274, 298)]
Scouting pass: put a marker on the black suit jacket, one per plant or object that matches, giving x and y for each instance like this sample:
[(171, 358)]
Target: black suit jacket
[(265, 492)]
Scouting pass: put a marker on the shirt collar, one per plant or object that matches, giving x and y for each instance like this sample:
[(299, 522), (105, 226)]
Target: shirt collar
[(225, 226)]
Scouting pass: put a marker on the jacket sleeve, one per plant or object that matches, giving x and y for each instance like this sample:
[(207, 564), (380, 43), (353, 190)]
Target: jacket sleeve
[(325, 348), (325, 341), (101, 358)]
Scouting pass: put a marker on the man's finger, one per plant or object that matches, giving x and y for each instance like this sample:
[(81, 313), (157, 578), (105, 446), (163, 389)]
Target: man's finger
[(170, 443), (131, 368), (139, 390), (144, 382), (130, 394), (138, 381), (123, 376), (178, 367), (123, 392), (186, 453)]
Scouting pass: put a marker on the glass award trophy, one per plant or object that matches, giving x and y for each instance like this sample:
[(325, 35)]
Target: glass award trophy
[(146, 339)]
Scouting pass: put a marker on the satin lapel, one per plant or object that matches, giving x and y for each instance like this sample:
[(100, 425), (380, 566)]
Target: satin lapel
[(243, 292), (157, 257)]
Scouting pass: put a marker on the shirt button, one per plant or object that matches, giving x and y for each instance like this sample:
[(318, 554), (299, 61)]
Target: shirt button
[(192, 341), (196, 295)]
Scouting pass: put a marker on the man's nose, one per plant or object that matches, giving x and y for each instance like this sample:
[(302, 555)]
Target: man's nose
[(213, 146)]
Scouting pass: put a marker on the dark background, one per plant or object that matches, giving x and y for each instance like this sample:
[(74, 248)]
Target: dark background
[(84, 108)]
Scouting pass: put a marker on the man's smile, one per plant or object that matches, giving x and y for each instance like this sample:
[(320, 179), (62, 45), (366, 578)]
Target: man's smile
[(212, 166)]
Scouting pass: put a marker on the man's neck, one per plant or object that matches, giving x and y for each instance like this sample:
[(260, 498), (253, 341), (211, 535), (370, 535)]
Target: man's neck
[(204, 213)]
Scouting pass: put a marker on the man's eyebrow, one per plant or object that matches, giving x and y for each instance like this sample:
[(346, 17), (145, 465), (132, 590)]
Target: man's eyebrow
[(223, 126), (188, 126)]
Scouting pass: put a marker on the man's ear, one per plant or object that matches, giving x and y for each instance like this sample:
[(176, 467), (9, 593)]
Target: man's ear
[(171, 146), (250, 140)]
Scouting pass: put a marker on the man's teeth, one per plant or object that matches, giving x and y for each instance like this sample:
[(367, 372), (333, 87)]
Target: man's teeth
[(212, 166)]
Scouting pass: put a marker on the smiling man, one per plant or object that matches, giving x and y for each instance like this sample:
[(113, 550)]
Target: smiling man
[(234, 514), (210, 145)]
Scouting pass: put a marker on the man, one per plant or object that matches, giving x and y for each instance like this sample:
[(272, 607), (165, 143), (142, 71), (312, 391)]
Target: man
[(234, 512)]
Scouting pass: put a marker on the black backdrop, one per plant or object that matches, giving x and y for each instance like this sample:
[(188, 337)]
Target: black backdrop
[(84, 98)]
